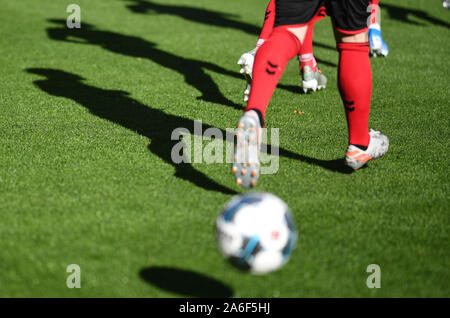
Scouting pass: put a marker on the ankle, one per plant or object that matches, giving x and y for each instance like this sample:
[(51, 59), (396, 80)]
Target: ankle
[(257, 114)]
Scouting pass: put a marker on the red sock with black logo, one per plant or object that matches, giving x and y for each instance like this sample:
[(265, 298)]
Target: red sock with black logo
[(355, 86), (270, 62)]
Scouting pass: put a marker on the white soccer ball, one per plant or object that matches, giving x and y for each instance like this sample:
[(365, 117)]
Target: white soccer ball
[(256, 232)]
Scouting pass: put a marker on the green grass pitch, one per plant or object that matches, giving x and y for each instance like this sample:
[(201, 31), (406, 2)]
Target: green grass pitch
[(86, 177)]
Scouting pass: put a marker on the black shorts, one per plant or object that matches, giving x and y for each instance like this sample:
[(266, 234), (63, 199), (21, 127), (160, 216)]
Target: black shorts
[(349, 16)]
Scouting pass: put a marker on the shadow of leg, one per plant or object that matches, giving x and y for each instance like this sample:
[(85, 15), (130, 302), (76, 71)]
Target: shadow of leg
[(119, 108)]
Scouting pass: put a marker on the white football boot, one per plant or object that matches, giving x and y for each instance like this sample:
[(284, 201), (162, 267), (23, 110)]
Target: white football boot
[(378, 146), (246, 165), (313, 81), (446, 4)]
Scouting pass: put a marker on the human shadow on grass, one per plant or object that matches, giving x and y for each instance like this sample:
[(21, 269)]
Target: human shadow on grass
[(324, 46), (203, 16), (227, 20), (186, 283), (118, 107), (155, 124), (335, 165), (192, 70), (323, 62), (194, 14), (403, 15)]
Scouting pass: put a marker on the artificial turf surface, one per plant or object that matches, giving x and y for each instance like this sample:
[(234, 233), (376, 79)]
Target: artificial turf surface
[(86, 177)]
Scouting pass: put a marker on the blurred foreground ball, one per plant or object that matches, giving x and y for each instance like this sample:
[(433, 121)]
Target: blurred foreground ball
[(256, 232)]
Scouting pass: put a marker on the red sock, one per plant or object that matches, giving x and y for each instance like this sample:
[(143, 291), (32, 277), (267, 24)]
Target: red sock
[(355, 86), (270, 62), (305, 53)]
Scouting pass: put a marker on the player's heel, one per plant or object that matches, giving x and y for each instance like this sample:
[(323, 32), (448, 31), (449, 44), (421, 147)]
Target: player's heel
[(246, 166)]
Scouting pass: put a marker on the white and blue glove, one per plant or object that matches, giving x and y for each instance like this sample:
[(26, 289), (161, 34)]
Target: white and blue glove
[(377, 46), (246, 62)]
